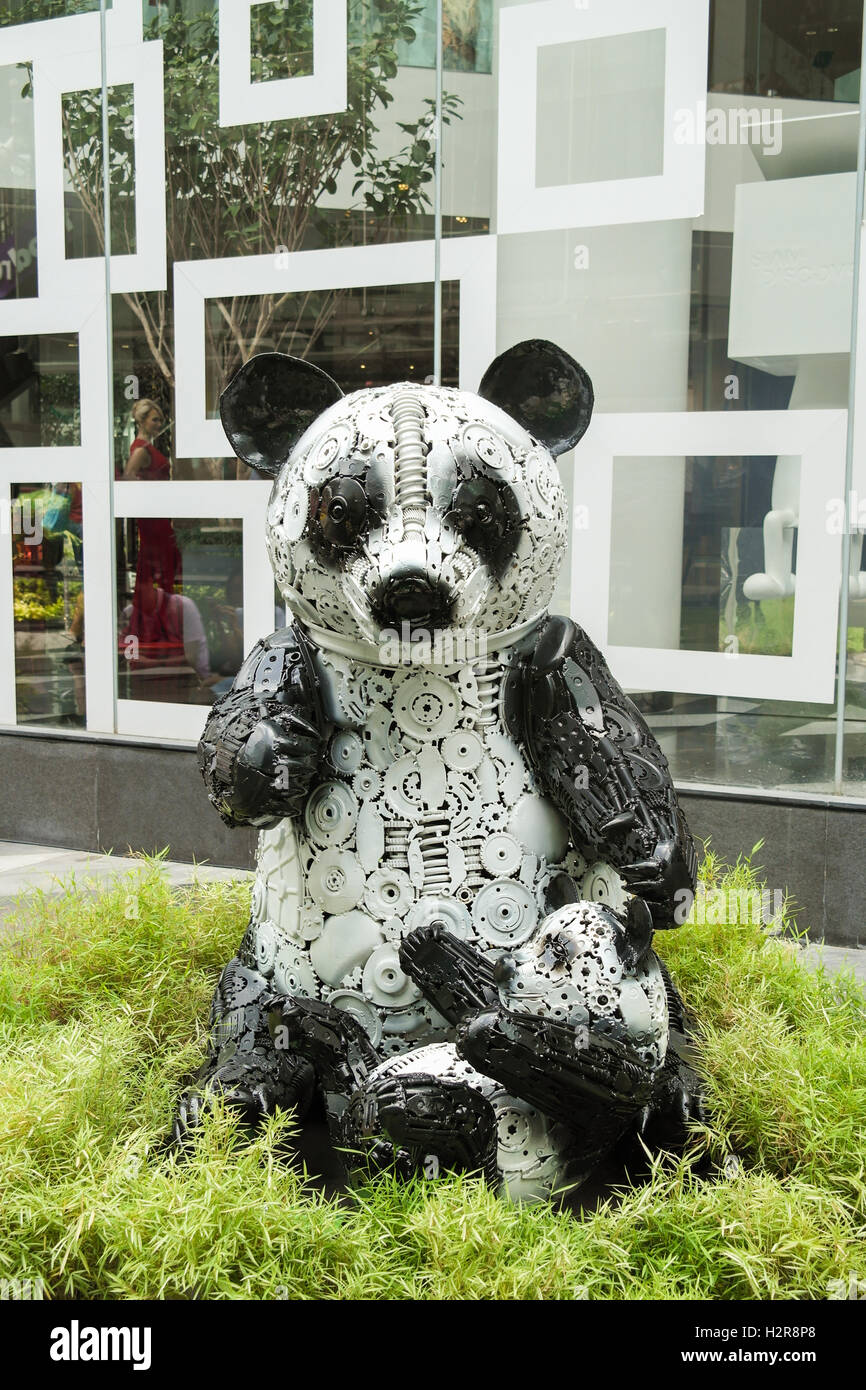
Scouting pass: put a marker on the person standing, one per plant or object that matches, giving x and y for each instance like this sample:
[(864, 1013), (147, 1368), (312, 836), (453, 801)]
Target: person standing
[(159, 558)]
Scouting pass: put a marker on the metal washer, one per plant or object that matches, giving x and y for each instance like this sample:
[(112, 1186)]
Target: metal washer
[(331, 814), (336, 880), (385, 981), (366, 783), (504, 912), (448, 911), (389, 892), (351, 1002), (293, 974), (346, 751)]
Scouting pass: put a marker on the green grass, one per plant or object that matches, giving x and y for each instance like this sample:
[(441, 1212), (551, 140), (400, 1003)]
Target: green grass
[(103, 998)]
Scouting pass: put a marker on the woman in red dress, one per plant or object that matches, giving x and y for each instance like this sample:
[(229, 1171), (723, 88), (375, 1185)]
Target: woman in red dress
[(146, 639), (159, 558)]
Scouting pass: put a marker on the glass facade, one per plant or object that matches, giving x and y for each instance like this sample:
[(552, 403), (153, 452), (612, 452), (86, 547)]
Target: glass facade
[(666, 188)]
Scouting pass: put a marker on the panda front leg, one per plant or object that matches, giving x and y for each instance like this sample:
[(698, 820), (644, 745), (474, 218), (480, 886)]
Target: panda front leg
[(574, 1023), (243, 1066)]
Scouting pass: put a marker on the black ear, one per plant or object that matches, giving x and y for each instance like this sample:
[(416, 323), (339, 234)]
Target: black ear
[(269, 403), (544, 390)]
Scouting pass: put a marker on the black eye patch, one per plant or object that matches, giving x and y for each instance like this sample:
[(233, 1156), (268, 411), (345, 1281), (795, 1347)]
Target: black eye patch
[(487, 515), (338, 517)]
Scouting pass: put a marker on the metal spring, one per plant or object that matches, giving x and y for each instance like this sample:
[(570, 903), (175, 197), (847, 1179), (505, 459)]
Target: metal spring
[(410, 457), (488, 676), (433, 843)]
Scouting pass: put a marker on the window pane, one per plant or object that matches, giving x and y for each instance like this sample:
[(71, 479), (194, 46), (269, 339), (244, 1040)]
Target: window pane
[(39, 391), (17, 186), (48, 597), (180, 621)]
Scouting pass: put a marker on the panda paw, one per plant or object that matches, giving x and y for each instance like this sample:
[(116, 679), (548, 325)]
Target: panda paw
[(253, 1091)]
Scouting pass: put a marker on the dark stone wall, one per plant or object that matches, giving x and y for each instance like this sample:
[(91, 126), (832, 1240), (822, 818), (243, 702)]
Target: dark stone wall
[(813, 850), (113, 794), (82, 793)]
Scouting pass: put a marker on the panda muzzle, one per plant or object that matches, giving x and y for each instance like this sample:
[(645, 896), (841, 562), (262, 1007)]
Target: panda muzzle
[(415, 598)]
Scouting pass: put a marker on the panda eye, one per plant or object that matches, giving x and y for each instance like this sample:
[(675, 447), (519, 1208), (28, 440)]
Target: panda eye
[(487, 515), (484, 511), (341, 512)]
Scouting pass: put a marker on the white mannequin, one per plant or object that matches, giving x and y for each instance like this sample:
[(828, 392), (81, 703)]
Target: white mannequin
[(819, 385)]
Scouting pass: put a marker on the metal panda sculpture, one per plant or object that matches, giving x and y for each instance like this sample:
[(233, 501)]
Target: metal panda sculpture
[(447, 779)]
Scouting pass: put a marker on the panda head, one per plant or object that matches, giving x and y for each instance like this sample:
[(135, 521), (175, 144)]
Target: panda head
[(408, 506)]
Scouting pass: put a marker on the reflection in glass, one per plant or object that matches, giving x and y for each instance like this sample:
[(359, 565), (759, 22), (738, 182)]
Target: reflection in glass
[(601, 109), (82, 150), (786, 48), (39, 391), (17, 186), (48, 598), (24, 11), (467, 36), (361, 337), (687, 547), (272, 189), (180, 622)]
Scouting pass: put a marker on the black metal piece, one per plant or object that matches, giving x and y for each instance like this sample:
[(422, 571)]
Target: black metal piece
[(269, 403), (487, 515), (339, 518), (554, 1066), (261, 745), (242, 1065), (456, 978), (421, 1124), (414, 597), (329, 1038), (596, 758), (544, 389)]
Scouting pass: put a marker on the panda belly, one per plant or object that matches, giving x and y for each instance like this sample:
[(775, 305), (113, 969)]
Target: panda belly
[(425, 809)]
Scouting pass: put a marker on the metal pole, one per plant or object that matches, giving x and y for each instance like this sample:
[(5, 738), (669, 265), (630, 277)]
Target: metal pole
[(839, 759), (437, 207), (109, 339)]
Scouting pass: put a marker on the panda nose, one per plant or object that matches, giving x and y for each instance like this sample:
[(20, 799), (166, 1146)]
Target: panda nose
[(414, 598), (409, 596)]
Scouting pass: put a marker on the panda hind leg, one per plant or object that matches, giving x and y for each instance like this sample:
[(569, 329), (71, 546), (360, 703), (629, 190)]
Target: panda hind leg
[(243, 1067)]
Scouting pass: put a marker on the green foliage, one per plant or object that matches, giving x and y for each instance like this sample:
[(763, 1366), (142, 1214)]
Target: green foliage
[(103, 993)]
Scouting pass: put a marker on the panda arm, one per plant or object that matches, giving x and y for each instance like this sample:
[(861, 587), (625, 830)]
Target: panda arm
[(261, 744), (598, 761)]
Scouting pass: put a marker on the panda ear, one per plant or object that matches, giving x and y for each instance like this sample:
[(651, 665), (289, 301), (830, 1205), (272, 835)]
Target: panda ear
[(544, 390), (269, 403)]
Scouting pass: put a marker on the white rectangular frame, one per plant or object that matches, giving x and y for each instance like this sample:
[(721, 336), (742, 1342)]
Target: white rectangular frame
[(677, 192), (818, 437), (201, 501), (470, 260), (244, 102)]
